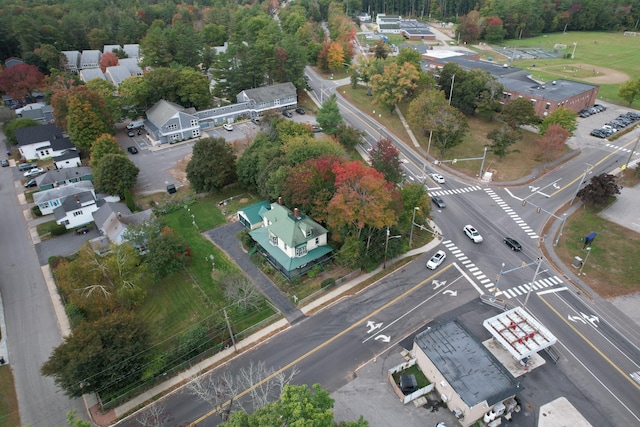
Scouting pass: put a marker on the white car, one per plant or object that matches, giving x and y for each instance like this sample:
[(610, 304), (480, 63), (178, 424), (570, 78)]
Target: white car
[(472, 233), (438, 178), (33, 172), (436, 260), (228, 126)]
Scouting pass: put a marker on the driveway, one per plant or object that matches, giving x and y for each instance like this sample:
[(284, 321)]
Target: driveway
[(225, 238), (64, 245)]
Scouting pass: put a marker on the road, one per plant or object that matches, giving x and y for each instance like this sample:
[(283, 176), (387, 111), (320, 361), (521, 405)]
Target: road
[(32, 330)]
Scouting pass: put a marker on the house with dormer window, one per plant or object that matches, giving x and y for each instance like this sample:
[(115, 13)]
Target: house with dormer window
[(42, 142), (170, 122), (292, 242)]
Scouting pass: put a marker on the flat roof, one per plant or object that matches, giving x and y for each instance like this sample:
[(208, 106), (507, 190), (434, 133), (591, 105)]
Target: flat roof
[(473, 372), (519, 333)]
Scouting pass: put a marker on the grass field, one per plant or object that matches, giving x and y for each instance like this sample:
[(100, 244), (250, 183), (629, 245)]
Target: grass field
[(9, 415), (613, 51)]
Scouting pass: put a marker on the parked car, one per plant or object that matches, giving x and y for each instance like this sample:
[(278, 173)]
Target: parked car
[(287, 113), (438, 201), (438, 178), (513, 244), (255, 121), (132, 150), (584, 114), (472, 233), (300, 111), (82, 230), (31, 183), (316, 128), (33, 172), (171, 188), (436, 260), (228, 127), (600, 106), (5, 163), (131, 133), (26, 166)]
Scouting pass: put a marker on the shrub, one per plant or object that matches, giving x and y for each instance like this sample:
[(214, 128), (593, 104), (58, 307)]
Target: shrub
[(328, 283), (129, 201), (58, 230), (36, 210), (317, 269)]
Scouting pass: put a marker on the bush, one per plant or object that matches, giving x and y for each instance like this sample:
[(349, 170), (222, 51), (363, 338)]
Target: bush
[(129, 201), (58, 230), (328, 283), (317, 269), (36, 210)]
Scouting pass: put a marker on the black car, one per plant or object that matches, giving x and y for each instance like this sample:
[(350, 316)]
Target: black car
[(513, 244), (287, 113), (584, 113), (598, 133), (300, 110), (82, 230), (132, 150), (600, 106), (438, 201), (30, 183)]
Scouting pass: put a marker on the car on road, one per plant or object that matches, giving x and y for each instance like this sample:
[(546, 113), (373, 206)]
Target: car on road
[(436, 260), (5, 163), (131, 133), (132, 150), (30, 183), (82, 230), (33, 172), (438, 178), (472, 233), (438, 201), (300, 111), (255, 121), (287, 113), (228, 127), (513, 244)]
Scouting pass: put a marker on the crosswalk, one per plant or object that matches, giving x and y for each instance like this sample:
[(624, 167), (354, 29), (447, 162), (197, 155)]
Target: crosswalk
[(617, 147), (514, 216), (453, 191), (489, 285)]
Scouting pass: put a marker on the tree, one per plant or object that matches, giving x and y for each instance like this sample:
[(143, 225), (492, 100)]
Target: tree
[(552, 142), (493, 29), (561, 116), (395, 84), (518, 112), (212, 166), (385, 158), (15, 124), (241, 291), (381, 50), (105, 144), (431, 114), (106, 354), (349, 137), (629, 90), (109, 59), (503, 137), (329, 117), (20, 81), (300, 149), (168, 253), (115, 174), (408, 55), (469, 29), (600, 190)]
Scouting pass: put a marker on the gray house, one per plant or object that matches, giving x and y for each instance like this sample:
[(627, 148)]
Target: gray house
[(117, 74), (66, 176), (90, 59), (131, 64), (132, 51), (169, 122), (73, 60), (282, 96), (91, 74), (113, 219)]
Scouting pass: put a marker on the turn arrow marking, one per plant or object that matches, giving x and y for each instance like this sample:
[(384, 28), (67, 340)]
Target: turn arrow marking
[(449, 291), (438, 283), (383, 338), (373, 326)]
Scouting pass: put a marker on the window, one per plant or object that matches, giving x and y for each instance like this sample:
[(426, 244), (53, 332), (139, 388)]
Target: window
[(195, 133), (172, 127), (276, 102), (194, 122), (317, 241), (273, 240), (302, 251), (77, 213), (309, 232)]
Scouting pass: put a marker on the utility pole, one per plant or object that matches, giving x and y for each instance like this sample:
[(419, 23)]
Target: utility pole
[(453, 79), (233, 340), (539, 260), (413, 221)]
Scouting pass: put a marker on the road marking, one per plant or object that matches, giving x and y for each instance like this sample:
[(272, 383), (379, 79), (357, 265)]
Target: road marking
[(523, 225), (319, 347), (453, 191), (538, 284), (590, 344), (549, 291)]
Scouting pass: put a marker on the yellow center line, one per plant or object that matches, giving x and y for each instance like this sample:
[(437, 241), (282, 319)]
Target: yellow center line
[(321, 346), (592, 345)]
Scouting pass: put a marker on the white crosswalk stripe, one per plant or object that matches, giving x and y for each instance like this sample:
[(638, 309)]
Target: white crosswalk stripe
[(511, 213), (453, 191), (538, 285)]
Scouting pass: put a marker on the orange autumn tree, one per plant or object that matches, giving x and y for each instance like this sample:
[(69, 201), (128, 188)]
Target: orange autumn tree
[(363, 202)]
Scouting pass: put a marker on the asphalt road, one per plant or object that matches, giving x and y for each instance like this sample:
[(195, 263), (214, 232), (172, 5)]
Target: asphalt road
[(32, 330)]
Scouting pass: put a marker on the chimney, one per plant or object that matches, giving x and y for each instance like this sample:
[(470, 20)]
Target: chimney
[(77, 198), (296, 213), (280, 200), (119, 215)]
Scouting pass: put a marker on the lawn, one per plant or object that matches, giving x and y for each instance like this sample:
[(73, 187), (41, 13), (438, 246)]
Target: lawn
[(612, 268), (612, 51), (9, 415)]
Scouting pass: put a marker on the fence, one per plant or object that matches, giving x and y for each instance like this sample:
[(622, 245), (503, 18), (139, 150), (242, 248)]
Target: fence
[(409, 397)]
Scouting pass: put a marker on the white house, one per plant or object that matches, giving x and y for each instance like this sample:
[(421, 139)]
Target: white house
[(41, 142), (49, 200), (113, 219), (76, 210)]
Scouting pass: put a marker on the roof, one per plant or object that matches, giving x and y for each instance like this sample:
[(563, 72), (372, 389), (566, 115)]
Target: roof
[(131, 65), (73, 57), (62, 192), (60, 144), (91, 73), (73, 203), (37, 134), (268, 93), (519, 333), (132, 50), (291, 229), (162, 111), (65, 174), (113, 218), (67, 154), (111, 48), (253, 212), (471, 370), (117, 74), (89, 57)]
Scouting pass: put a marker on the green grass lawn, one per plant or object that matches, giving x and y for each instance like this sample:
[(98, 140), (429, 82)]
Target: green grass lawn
[(609, 50), (9, 415)]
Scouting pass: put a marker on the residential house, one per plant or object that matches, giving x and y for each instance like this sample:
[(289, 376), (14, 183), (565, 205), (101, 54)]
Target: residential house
[(131, 64), (363, 17), (132, 51), (37, 111), (68, 159), (168, 122), (112, 219), (73, 60), (117, 74), (292, 242), (111, 48), (48, 200), (41, 142), (66, 176), (275, 97), (90, 59), (251, 216), (12, 62), (89, 74), (465, 373), (76, 210)]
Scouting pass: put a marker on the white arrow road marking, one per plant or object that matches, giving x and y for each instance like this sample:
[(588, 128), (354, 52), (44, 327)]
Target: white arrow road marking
[(383, 338), (449, 291), (373, 326), (533, 189), (576, 319), (556, 186), (593, 318), (438, 283)]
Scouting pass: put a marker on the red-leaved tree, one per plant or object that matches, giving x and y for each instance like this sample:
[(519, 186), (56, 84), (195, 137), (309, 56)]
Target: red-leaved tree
[(109, 59), (20, 81)]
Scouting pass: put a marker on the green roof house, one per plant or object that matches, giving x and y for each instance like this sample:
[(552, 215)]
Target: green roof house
[(251, 216), (291, 241)]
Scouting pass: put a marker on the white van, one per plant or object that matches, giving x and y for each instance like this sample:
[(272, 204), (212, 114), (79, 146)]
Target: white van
[(135, 124)]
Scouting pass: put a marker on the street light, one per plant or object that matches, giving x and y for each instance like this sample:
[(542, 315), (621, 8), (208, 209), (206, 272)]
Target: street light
[(413, 220), (532, 281), (564, 219), (581, 181), (495, 289), (453, 79), (386, 246), (585, 261)]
